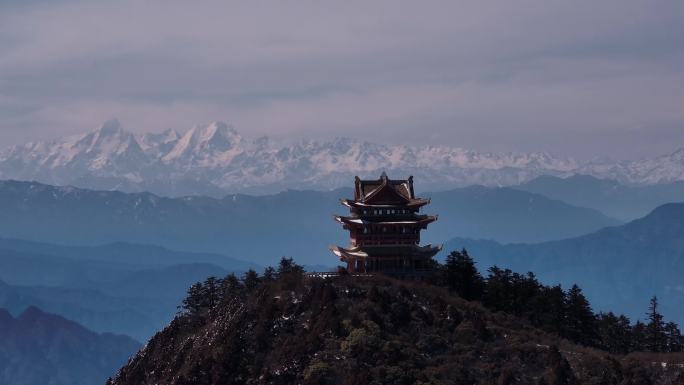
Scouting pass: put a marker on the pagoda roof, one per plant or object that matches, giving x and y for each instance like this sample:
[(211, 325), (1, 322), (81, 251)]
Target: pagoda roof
[(417, 220), (384, 191), (411, 203), (426, 251)]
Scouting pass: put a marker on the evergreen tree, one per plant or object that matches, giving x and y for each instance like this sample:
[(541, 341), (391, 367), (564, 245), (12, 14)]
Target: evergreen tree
[(655, 327), (674, 339), (615, 333), (194, 303), (526, 292), (549, 309), (269, 274), (231, 287), (251, 280), (211, 292), (580, 323), (498, 294), (290, 273), (639, 337), (287, 265), (462, 276)]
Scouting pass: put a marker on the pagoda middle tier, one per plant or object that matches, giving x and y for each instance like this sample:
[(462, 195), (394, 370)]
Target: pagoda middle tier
[(391, 229)]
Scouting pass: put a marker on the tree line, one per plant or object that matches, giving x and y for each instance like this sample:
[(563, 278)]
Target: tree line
[(565, 313), (203, 297)]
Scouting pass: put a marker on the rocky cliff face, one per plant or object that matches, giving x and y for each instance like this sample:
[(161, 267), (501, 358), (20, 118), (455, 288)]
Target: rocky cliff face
[(369, 331)]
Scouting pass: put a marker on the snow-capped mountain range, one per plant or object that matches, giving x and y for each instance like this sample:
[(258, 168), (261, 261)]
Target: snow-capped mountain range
[(216, 160)]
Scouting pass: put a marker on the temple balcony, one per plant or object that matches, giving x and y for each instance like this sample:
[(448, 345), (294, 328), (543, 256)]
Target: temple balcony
[(385, 238)]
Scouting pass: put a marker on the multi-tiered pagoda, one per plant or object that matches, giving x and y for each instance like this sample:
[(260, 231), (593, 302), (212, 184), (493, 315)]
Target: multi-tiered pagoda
[(384, 227)]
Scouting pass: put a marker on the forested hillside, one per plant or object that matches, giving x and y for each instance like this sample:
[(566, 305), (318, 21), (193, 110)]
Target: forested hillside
[(284, 328)]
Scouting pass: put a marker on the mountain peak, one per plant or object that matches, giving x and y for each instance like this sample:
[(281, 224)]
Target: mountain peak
[(110, 127), (203, 143), (31, 314), (222, 127), (110, 135), (667, 211), (678, 155), (218, 131)]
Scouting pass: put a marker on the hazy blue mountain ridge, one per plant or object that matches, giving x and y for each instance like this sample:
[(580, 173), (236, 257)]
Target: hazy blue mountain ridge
[(625, 202), (122, 288), (295, 223), (619, 267), (37, 348), (126, 254), (508, 215)]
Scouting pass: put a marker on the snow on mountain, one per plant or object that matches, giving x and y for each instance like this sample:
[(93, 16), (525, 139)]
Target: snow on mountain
[(215, 159), (157, 144), (213, 146), (109, 150), (662, 169)]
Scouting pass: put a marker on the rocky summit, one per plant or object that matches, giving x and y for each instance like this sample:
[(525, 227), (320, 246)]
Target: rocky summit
[(355, 330)]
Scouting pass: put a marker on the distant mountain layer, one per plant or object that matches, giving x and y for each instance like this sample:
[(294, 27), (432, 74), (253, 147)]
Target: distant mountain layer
[(121, 288), (264, 228), (619, 268), (214, 160), (38, 348), (608, 196)]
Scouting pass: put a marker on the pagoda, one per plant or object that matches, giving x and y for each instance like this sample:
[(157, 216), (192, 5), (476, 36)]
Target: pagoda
[(384, 227)]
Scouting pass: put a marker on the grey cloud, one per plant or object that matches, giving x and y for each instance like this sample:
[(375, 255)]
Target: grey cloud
[(528, 75)]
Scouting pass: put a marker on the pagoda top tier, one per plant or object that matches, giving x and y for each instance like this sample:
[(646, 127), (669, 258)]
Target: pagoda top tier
[(385, 192)]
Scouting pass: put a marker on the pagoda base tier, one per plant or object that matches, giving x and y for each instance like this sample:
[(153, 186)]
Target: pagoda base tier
[(407, 261)]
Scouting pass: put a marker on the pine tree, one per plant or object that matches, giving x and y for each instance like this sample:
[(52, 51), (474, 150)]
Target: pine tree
[(290, 273), (639, 337), (498, 294), (655, 327), (549, 309), (194, 303), (580, 321), (211, 292), (624, 334), (269, 274), (674, 339), (462, 276), (615, 333), (287, 265), (526, 291), (449, 270), (230, 287), (251, 280)]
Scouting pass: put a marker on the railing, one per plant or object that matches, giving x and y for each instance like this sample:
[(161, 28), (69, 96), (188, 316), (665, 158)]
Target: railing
[(392, 272), (322, 274)]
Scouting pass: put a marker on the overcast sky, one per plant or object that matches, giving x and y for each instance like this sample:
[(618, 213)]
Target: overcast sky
[(580, 78)]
